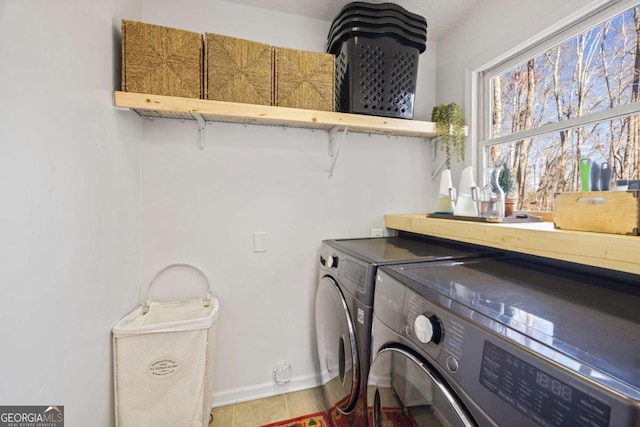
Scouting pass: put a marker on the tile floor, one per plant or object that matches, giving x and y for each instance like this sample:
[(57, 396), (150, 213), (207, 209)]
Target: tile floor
[(259, 412)]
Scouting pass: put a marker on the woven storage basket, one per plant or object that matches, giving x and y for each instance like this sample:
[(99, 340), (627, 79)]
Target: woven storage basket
[(161, 60), (304, 79), (238, 70)]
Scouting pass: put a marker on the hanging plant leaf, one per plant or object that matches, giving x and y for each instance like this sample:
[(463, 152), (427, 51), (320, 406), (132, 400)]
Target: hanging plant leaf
[(449, 120)]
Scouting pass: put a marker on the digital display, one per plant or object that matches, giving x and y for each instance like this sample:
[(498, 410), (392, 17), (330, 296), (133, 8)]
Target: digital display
[(541, 397), (551, 384)]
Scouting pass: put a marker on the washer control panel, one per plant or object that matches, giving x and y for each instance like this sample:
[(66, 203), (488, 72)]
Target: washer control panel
[(435, 332), (352, 273)]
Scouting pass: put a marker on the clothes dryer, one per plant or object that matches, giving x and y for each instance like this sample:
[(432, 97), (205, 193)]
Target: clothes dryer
[(343, 309), (504, 342)]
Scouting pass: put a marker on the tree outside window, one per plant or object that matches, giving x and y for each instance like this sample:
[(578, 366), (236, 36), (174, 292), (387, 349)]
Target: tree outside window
[(578, 99)]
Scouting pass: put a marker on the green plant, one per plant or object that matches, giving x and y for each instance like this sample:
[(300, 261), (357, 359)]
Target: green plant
[(505, 180), (450, 130)]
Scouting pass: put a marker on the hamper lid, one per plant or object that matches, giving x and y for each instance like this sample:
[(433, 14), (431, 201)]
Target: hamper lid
[(382, 7), (362, 22), (376, 17), (334, 44)]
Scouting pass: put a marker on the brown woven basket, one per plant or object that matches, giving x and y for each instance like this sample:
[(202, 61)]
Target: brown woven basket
[(238, 70), (304, 79), (161, 60)]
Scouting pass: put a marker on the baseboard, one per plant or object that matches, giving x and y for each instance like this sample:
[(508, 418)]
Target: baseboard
[(243, 394)]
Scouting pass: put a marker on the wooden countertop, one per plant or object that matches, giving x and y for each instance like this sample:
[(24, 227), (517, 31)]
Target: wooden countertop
[(612, 251)]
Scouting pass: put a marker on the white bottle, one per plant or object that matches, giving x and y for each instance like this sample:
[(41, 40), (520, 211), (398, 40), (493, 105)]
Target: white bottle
[(446, 195), (467, 194)]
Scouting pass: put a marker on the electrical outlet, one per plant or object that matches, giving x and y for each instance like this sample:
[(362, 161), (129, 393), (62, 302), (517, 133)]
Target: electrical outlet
[(282, 373), (376, 232), (260, 241)]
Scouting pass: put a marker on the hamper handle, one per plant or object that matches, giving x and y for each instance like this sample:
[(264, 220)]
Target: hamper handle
[(206, 299)]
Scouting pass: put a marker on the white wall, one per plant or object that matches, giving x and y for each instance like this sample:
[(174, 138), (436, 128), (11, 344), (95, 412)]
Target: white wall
[(69, 192), (491, 29), (204, 206)]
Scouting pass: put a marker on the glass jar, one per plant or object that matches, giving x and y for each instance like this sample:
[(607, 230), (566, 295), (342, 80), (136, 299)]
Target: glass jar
[(492, 198)]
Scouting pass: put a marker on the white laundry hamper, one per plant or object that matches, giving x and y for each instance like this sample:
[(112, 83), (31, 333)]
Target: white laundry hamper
[(163, 361)]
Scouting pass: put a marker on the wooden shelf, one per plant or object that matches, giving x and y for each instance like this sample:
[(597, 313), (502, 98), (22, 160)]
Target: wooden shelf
[(218, 111), (612, 251)]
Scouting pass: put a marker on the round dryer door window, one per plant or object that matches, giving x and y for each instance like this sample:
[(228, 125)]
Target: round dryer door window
[(404, 391), (337, 347)]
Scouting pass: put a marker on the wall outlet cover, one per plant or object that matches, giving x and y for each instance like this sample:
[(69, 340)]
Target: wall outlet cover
[(282, 373)]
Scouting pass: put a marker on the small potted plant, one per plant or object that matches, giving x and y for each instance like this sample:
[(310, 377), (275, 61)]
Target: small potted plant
[(509, 188), (450, 130)]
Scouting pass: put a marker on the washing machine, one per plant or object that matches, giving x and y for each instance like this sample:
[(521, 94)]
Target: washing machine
[(344, 305), (504, 342)]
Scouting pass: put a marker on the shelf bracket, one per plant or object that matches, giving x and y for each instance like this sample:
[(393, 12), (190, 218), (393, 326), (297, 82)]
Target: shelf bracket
[(332, 139), (441, 166), (201, 129), (334, 148), (434, 149)]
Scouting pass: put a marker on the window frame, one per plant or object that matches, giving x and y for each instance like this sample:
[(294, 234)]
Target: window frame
[(573, 25)]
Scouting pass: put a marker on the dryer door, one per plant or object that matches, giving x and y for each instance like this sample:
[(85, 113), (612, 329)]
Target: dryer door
[(404, 391), (337, 346)]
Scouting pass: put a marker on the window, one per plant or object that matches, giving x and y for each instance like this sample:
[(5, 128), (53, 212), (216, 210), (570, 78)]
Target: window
[(573, 95)]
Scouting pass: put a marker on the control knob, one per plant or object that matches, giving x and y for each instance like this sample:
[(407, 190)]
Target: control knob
[(332, 261), (427, 328)]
